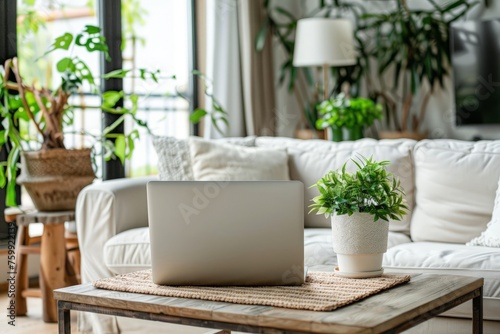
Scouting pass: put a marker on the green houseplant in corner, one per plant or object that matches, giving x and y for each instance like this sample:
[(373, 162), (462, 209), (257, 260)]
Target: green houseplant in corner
[(360, 205), (353, 114)]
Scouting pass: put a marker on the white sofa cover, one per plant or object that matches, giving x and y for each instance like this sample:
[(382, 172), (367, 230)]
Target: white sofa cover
[(450, 188)]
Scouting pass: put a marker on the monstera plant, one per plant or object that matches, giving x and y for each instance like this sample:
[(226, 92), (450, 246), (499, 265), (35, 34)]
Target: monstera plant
[(52, 174)]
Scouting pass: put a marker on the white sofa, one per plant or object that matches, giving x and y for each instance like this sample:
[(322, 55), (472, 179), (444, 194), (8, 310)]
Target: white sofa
[(450, 187)]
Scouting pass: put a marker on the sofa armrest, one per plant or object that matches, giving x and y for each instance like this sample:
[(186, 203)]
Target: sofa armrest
[(104, 210)]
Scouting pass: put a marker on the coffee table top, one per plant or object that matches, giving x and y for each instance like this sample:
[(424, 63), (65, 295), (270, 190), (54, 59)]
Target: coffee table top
[(386, 310)]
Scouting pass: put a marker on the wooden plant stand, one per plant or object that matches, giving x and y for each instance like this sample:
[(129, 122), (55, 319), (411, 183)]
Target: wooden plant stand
[(55, 268)]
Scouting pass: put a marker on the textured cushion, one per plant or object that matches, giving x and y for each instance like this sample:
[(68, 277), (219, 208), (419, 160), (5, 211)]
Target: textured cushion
[(174, 162), (451, 259), (213, 161), (309, 160), (455, 185), (174, 159), (490, 237), (128, 251)]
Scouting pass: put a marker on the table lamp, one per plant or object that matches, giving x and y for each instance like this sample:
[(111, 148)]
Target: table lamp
[(324, 42)]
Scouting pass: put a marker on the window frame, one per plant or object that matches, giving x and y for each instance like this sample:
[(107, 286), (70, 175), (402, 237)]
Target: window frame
[(109, 17)]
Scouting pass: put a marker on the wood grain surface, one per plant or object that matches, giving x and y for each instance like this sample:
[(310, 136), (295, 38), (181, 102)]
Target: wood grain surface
[(424, 296)]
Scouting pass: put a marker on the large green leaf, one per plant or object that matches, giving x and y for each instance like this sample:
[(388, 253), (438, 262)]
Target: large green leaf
[(134, 99), (110, 98), (3, 178), (197, 115), (65, 64), (92, 40), (120, 148), (62, 42), (131, 138), (12, 159)]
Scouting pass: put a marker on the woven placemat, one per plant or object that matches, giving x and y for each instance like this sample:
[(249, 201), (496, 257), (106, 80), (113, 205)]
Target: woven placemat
[(323, 291)]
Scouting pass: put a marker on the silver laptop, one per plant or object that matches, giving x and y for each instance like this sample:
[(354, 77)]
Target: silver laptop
[(226, 232)]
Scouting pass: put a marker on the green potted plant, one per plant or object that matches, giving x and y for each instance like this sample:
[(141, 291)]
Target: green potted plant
[(52, 174), (413, 44), (302, 82), (360, 204), (353, 114)]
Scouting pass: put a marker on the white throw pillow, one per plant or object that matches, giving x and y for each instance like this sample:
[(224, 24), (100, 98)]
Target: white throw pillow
[(455, 184), (491, 236), (174, 159), (214, 161)]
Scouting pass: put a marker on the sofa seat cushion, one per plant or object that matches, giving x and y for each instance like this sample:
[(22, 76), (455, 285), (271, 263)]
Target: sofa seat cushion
[(128, 251), (318, 248), (451, 259)]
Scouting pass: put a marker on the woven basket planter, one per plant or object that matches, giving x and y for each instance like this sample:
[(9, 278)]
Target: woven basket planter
[(54, 178)]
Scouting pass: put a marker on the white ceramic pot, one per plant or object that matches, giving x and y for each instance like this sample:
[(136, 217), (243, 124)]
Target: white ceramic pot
[(360, 244)]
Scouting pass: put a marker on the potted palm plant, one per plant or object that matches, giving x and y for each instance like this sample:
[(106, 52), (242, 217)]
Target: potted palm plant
[(360, 205), (352, 114), (414, 46), (52, 174)]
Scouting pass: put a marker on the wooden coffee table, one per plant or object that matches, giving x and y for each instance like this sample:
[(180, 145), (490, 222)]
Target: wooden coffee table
[(391, 311)]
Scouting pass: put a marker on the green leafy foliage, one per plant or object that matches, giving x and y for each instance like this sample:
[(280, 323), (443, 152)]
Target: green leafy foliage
[(217, 113), (133, 16), (414, 43), (28, 106), (74, 71), (370, 189), (62, 42), (348, 112), (197, 115), (49, 111)]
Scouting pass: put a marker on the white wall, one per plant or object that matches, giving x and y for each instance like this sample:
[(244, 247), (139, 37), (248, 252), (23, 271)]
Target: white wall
[(440, 117)]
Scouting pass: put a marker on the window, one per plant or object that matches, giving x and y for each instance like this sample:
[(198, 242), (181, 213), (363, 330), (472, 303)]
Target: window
[(155, 37)]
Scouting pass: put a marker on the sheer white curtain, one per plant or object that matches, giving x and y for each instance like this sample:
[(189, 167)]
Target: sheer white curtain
[(242, 78)]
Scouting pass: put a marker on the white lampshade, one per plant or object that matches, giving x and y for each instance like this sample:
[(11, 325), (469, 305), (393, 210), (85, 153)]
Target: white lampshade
[(324, 41)]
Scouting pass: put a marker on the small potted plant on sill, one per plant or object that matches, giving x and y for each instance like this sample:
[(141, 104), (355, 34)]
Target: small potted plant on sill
[(352, 114), (360, 205)]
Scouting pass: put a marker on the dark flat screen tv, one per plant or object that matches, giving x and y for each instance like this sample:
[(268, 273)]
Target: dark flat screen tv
[(475, 57)]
